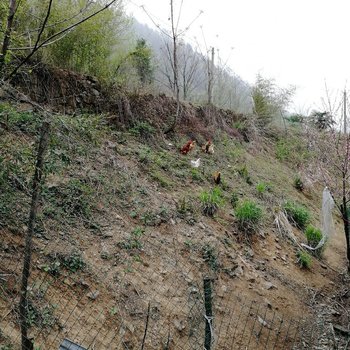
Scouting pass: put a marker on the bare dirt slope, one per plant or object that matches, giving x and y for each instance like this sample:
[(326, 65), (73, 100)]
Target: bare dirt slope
[(122, 243)]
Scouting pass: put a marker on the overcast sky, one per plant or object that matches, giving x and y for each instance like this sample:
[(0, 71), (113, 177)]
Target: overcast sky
[(297, 42)]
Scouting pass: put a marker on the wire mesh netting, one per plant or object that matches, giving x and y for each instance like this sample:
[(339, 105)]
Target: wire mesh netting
[(109, 269)]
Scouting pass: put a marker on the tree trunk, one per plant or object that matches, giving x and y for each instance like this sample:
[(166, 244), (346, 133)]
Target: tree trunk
[(23, 304), (345, 217), (175, 70), (7, 36)]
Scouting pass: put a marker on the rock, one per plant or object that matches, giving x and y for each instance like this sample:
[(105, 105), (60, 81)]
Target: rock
[(179, 325), (221, 292), (278, 247), (263, 322), (269, 285), (201, 225), (239, 271), (249, 253), (84, 284), (268, 303), (105, 255), (93, 295)]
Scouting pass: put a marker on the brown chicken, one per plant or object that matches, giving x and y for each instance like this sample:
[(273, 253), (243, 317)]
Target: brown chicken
[(188, 147), (217, 177)]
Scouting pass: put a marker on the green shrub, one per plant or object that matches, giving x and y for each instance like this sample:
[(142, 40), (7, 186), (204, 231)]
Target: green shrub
[(211, 201), (297, 214), (234, 199), (314, 236), (296, 118), (304, 259), (298, 184), (196, 175), (249, 215), (133, 242), (243, 172), (210, 256), (142, 129), (261, 188), (282, 150), (73, 262)]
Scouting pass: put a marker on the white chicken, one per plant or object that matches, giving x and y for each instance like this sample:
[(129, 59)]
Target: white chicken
[(196, 163)]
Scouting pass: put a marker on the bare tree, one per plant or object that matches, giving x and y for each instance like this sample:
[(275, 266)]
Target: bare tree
[(172, 53), (333, 163)]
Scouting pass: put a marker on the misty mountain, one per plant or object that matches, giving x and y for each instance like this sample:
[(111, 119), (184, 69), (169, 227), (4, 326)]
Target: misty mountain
[(229, 90)]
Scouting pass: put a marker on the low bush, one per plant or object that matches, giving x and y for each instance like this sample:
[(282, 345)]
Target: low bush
[(314, 236), (304, 259), (234, 199), (142, 129), (298, 184), (243, 172), (249, 215), (297, 214), (211, 201)]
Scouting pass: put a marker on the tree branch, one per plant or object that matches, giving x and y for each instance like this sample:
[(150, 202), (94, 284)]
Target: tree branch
[(37, 47)]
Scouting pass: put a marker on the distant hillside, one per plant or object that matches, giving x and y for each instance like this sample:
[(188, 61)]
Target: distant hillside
[(230, 91)]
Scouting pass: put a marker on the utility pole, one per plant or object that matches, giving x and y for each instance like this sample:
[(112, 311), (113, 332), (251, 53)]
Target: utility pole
[(211, 76)]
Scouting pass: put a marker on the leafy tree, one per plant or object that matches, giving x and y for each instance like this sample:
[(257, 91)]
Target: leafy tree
[(142, 59), (269, 99), (80, 35), (322, 120)]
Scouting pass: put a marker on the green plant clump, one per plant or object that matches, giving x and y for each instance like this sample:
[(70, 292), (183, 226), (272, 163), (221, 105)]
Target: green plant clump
[(234, 199), (243, 172), (211, 201), (298, 214), (143, 129), (210, 256), (304, 259), (261, 188), (298, 184), (249, 215), (314, 237), (133, 242)]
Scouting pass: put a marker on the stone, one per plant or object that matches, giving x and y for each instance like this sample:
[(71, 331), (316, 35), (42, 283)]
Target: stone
[(239, 271), (179, 325), (269, 285), (93, 295), (201, 225)]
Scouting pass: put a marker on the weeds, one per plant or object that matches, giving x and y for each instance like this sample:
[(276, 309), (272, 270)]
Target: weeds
[(161, 179), (40, 316), (196, 175), (234, 199), (142, 129), (210, 256), (298, 184), (243, 172), (133, 242), (261, 188), (304, 259), (314, 237), (249, 215), (297, 214), (211, 201)]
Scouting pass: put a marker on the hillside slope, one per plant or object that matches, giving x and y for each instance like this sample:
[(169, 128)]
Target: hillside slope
[(122, 243)]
